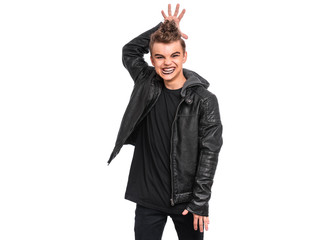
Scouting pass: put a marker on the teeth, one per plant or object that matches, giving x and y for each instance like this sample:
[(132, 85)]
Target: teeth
[(168, 70)]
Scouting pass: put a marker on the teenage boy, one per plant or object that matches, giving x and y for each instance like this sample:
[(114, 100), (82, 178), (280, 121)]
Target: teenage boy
[(174, 123)]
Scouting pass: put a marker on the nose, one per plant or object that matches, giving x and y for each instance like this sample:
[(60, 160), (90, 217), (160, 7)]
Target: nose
[(167, 61)]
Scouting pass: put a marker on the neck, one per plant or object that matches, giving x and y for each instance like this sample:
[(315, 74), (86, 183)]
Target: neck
[(175, 83)]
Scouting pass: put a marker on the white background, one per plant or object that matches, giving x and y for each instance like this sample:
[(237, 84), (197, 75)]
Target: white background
[(64, 90)]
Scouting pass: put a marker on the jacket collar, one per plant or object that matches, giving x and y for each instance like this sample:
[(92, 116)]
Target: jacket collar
[(193, 79)]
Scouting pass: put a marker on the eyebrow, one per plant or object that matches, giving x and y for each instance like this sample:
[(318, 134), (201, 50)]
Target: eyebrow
[(160, 55)]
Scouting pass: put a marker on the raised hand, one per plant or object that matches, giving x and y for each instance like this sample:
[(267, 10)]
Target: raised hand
[(174, 17)]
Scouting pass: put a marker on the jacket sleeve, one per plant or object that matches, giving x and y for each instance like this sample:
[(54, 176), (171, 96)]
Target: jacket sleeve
[(133, 54), (210, 144)]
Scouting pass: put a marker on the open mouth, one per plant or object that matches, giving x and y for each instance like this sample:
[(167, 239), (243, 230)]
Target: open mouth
[(167, 71)]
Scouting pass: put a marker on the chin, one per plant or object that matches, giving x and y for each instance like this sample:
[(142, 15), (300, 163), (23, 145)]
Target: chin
[(167, 78)]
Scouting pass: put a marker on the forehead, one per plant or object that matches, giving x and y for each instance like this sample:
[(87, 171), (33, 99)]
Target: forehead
[(167, 48)]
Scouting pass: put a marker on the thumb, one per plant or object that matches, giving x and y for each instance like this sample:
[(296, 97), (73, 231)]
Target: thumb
[(185, 36), (185, 212)]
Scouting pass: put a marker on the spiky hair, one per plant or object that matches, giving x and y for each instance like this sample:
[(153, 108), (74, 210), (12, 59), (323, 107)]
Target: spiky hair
[(167, 33)]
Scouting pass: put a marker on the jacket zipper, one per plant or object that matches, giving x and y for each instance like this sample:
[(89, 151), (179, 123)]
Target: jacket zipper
[(171, 159)]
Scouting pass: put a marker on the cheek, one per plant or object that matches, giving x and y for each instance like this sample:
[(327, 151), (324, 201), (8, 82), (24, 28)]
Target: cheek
[(180, 62), (157, 66), (156, 63)]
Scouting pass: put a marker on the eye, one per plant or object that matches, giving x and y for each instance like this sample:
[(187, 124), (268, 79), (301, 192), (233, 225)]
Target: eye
[(175, 55), (159, 57)]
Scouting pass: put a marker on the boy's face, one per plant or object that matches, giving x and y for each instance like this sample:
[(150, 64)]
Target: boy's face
[(167, 59)]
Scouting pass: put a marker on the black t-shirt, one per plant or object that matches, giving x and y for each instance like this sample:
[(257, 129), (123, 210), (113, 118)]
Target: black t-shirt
[(149, 182)]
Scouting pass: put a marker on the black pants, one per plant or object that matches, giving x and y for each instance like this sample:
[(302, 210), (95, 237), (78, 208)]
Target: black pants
[(149, 225)]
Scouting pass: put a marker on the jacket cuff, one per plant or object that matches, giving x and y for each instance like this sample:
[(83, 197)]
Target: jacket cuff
[(202, 210), (154, 29)]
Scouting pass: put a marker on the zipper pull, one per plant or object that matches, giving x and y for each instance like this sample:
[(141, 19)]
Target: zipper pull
[(188, 101), (172, 202)]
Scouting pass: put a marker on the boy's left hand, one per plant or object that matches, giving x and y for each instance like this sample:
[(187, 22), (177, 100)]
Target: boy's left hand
[(174, 17), (202, 221)]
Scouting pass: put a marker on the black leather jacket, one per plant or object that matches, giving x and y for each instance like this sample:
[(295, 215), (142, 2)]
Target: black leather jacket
[(196, 131)]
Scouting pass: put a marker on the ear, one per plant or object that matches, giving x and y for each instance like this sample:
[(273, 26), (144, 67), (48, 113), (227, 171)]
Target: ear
[(152, 60), (185, 57)]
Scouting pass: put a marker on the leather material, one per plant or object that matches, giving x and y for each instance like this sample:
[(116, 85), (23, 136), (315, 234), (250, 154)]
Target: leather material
[(196, 131)]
